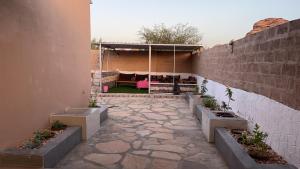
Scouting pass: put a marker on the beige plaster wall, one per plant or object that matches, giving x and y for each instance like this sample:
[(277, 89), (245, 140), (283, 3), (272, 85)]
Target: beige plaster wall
[(139, 61), (44, 63)]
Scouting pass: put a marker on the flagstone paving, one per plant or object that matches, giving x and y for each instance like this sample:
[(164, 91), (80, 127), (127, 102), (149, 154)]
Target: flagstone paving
[(146, 133)]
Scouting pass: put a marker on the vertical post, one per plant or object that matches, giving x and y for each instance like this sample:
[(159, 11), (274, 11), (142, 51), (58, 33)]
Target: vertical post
[(107, 59), (149, 74), (174, 65), (100, 66)]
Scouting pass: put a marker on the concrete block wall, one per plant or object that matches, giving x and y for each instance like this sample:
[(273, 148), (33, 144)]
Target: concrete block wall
[(266, 63), (264, 73)]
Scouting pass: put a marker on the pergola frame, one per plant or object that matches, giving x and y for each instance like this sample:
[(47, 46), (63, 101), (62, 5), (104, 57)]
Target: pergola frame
[(145, 47)]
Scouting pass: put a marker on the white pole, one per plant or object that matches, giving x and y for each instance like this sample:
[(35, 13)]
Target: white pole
[(149, 74), (100, 66), (174, 65)]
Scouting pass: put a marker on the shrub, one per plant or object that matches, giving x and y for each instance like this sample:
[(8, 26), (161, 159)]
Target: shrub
[(93, 103), (57, 125), (203, 87), (255, 142), (210, 102), (226, 106), (38, 138)]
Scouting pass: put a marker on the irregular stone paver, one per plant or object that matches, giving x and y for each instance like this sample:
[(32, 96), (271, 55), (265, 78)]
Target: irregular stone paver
[(164, 164), (171, 148), (137, 144), (166, 155), (153, 125), (162, 136), (161, 130), (155, 116), (117, 146), (135, 162), (103, 159), (143, 132), (141, 152), (146, 133)]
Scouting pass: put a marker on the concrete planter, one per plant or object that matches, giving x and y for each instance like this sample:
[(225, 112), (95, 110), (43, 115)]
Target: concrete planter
[(236, 157), (46, 156), (198, 113), (210, 121), (193, 101), (89, 119)]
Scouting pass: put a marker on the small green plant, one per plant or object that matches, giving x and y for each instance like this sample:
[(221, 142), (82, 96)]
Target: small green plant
[(93, 103), (210, 102), (93, 100), (57, 125), (226, 106), (256, 142), (203, 87), (258, 136), (38, 138)]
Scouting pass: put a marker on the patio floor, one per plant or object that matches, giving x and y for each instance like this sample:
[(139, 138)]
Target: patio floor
[(146, 133)]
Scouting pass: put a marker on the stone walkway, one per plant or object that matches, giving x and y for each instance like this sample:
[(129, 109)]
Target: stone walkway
[(146, 133)]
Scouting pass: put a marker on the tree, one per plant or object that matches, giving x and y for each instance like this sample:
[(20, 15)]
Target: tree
[(178, 34), (95, 43)]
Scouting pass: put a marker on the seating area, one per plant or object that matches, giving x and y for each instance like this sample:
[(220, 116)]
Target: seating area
[(141, 80)]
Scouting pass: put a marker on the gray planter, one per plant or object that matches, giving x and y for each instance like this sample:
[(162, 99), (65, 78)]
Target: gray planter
[(89, 119), (47, 156), (193, 100), (236, 157), (210, 121), (198, 113)]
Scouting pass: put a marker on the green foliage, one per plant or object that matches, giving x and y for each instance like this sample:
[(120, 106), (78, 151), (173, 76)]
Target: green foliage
[(258, 136), (38, 138), (93, 103), (210, 102), (203, 87), (178, 34), (93, 100), (226, 106), (256, 141), (57, 125), (229, 94), (95, 43)]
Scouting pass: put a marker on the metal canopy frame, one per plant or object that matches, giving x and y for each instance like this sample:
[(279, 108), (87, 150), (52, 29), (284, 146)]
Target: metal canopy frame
[(149, 48)]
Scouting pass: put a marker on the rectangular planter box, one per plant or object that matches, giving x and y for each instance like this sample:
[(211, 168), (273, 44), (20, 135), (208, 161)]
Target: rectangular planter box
[(193, 101), (236, 157), (210, 121), (46, 156), (198, 113), (89, 119)]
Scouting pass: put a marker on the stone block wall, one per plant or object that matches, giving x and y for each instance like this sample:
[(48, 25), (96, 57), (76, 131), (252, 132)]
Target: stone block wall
[(266, 63), (264, 73)]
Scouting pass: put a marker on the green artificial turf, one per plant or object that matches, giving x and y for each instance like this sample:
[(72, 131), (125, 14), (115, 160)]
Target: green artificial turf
[(127, 89)]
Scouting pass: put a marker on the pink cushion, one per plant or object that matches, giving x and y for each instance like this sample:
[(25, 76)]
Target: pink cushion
[(142, 84)]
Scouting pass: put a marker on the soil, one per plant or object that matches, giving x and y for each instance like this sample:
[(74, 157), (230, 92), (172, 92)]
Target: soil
[(270, 157), (224, 114), (54, 133)]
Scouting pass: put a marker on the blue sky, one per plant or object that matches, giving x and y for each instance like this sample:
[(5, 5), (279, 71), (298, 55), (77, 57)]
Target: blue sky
[(218, 21)]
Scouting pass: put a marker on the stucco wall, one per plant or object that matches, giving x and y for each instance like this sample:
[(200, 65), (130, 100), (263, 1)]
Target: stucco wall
[(45, 63), (139, 61), (264, 72)]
